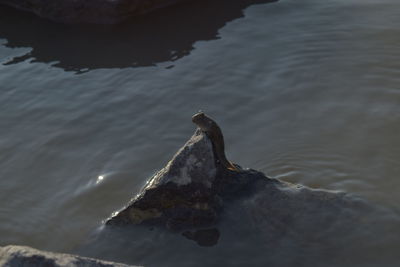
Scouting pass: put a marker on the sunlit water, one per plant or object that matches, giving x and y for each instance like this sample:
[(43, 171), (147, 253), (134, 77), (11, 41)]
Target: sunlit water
[(306, 91)]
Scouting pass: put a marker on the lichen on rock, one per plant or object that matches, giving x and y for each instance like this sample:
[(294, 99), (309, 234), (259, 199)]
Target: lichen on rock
[(182, 194), (193, 163)]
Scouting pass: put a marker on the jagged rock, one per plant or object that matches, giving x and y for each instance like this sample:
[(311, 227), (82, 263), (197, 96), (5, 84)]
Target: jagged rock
[(190, 193), (88, 11), (17, 256), (181, 195)]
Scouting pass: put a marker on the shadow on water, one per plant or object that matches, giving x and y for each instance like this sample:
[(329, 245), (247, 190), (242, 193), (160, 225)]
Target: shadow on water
[(165, 35)]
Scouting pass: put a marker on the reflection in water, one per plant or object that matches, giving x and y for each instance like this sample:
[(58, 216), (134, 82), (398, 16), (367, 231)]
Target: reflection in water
[(203, 237), (165, 35)]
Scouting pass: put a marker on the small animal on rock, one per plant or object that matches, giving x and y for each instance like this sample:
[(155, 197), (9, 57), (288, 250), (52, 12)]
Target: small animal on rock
[(211, 128)]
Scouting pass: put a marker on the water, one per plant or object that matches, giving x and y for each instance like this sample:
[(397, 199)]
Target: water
[(306, 91)]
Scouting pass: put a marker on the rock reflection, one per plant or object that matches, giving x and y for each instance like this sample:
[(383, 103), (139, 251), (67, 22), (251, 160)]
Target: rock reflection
[(203, 237), (165, 35)]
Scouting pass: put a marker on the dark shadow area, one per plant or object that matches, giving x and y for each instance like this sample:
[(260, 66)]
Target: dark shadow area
[(164, 35), (145, 246), (203, 237)]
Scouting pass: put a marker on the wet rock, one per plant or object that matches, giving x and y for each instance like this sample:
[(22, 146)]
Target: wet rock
[(16, 256), (88, 11), (189, 192), (194, 191), (182, 194), (290, 211)]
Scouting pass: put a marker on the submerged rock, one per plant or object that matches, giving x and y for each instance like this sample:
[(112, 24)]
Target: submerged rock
[(88, 11), (16, 256)]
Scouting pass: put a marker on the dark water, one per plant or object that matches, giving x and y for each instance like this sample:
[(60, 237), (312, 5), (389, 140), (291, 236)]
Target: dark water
[(307, 91)]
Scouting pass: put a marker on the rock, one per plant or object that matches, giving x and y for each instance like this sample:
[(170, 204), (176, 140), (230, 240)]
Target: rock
[(194, 190), (285, 209), (88, 11), (256, 220), (16, 256), (189, 192), (182, 194)]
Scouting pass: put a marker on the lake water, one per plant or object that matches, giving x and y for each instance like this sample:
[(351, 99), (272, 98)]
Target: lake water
[(306, 91)]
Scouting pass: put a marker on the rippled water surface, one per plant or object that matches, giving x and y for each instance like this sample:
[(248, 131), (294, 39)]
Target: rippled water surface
[(306, 91)]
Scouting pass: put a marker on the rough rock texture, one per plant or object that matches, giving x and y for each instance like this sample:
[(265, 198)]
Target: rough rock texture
[(192, 190), (181, 195), (17, 256), (88, 11)]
